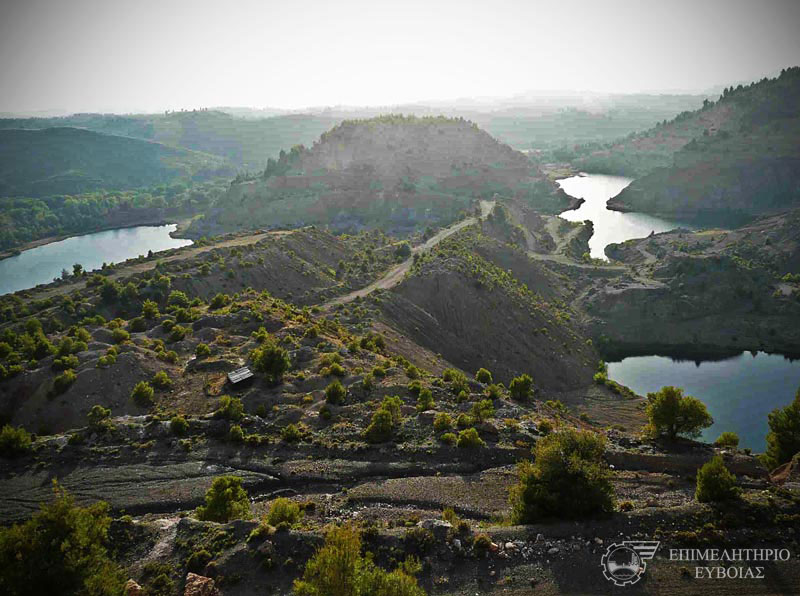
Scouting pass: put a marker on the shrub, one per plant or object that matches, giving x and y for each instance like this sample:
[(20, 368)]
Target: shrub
[(449, 439), (63, 381), (482, 543), (521, 387), (783, 438), (225, 500), (100, 418), (494, 391), (161, 380), (469, 438), (715, 482), (120, 335), (178, 333), (197, 561), (483, 376), (235, 434), (142, 394), (380, 428), (339, 568), (425, 400), (727, 439), (412, 372), (393, 405), (272, 360), (14, 441), (545, 427), (178, 298), (219, 301), (283, 511), (150, 310), (335, 393), (457, 379), (568, 479), (230, 408), (336, 369), (442, 422), (291, 433), (60, 550), (66, 362), (202, 350), (463, 420), (178, 425), (671, 413), (482, 410)]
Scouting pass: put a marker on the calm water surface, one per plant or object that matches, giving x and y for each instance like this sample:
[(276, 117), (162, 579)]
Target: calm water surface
[(609, 226), (41, 264), (739, 392)]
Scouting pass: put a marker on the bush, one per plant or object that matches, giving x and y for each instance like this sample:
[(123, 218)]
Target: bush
[(60, 550), (783, 438), (230, 408), (225, 500), (425, 400), (63, 381), (521, 387), (457, 379), (469, 438), (339, 568), (568, 479), (235, 434), (463, 420), (202, 350), (291, 433), (727, 439), (150, 310), (100, 418), (335, 393), (219, 301), (380, 428), (283, 511), (483, 376), (449, 439), (545, 427), (178, 425), (482, 410), (442, 422), (14, 441), (178, 298), (120, 335), (715, 482), (671, 413), (142, 394), (197, 561), (494, 391), (161, 380), (272, 360)]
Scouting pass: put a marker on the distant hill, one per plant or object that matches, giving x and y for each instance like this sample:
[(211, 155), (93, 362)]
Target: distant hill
[(53, 161), (400, 171), (246, 142), (730, 160)]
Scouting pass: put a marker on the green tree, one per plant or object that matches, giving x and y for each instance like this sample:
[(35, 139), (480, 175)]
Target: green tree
[(77, 270), (60, 550), (483, 376), (568, 479), (230, 408), (482, 410), (335, 393), (272, 360), (715, 482), (150, 309), (338, 568), (225, 500), (142, 394), (521, 387), (783, 438), (727, 439), (671, 413), (283, 511), (14, 441)]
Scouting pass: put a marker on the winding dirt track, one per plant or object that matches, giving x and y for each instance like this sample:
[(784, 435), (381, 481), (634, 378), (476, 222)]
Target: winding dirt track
[(396, 274)]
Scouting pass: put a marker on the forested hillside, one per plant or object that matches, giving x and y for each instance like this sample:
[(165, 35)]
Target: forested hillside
[(38, 163)]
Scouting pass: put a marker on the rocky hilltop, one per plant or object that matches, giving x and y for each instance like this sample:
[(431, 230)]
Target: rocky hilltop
[(400, 172)]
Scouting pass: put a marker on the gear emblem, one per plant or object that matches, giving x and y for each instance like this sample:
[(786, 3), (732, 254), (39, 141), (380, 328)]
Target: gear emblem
[(623, 564)]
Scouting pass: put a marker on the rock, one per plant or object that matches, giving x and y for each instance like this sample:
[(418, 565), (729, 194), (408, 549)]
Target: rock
[(598, 541), (539, 537), (457, 544), (552, 551), (198, 585), (132, 589)]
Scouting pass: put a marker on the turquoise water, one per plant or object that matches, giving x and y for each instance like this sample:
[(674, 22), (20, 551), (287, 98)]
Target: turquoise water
[(739, 392), (609, 226), (41, 264)]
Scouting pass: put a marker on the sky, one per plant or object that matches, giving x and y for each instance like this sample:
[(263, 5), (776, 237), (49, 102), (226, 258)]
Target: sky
[(153, 55)]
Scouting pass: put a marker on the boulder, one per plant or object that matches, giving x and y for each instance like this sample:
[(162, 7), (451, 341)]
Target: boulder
[(199, 585), (132, 589)]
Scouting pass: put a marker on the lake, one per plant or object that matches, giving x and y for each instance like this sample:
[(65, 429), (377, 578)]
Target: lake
[(609, 226), (739, 392), (41, 264)]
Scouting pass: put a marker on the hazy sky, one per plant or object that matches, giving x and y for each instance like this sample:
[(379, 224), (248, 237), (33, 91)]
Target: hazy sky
[(114, 55)]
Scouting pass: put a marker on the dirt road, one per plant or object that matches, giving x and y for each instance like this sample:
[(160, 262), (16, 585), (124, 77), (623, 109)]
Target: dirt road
[(396, 274)]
